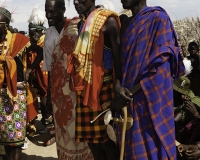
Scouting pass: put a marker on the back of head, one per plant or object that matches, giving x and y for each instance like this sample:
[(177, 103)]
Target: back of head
[(15, 30), (22, 32)]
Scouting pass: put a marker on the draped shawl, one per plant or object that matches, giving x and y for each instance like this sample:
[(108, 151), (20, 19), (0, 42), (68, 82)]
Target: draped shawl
[(16, 44), (89, 57), (151, 57)]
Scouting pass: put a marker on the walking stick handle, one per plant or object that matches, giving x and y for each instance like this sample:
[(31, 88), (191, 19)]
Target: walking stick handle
[(124, 110)]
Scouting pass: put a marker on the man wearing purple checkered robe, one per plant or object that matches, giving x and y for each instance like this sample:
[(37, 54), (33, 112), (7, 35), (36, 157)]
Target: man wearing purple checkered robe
[(150, 61)]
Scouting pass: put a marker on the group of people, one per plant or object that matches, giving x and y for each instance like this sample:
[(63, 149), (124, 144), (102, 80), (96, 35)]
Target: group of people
[(91, 63), (187, 108)]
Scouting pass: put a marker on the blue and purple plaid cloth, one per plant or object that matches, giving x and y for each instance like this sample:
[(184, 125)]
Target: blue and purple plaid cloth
[(151, 57)]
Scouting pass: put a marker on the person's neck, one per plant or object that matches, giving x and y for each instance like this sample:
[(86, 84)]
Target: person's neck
[(60, 25), (87, 13), (137, 8)]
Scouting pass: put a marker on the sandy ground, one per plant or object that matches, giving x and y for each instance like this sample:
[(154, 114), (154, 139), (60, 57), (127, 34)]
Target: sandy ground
[(36, 151)]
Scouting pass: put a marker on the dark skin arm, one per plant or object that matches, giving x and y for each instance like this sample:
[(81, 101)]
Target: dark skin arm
[(136, 88), (191, 151), (39, 51), (191, 108), (193, 154), (123, 94), (111, 30)]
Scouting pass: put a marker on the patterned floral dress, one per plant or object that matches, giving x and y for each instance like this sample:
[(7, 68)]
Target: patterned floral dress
[(64, 99), (13, 119)]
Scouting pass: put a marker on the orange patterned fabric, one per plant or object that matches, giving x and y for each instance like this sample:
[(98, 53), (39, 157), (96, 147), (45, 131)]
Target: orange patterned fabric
[(31, 104), (89, 58), (16, 45), (9, 71)]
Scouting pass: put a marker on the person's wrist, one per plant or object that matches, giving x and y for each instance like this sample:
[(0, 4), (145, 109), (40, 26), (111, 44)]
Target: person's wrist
[(196, 115)]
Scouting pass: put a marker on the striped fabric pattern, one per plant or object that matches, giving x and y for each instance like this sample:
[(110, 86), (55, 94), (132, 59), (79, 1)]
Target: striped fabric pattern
[(151, 57)]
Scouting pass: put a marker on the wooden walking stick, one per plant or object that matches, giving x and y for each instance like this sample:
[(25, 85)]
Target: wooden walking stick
[(125, 122), (123, 133)]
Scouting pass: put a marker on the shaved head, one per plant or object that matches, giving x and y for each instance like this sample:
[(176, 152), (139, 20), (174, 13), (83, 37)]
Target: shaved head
[(59, 3)]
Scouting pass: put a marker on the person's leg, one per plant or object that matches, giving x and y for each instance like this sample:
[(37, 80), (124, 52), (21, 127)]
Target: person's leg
[(4, 157), (16, 153), (7, 150), (111, 150), (97, 151), (13, 153), (48, 104), (52, 139)]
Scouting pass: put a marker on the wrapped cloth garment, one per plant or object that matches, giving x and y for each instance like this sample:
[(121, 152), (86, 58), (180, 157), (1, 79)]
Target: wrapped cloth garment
[(59, 50), (151, 57)]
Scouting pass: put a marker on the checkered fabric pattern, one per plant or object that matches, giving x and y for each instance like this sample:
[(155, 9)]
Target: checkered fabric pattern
[(93, 132), (151, 57)]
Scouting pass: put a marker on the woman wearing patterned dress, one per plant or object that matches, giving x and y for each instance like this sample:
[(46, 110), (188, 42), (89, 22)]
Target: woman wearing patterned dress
[(13, 90)]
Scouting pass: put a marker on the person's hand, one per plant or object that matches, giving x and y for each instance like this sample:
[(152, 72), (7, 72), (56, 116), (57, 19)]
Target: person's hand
[(28, 71), (182, 148), (122, 92), (193, 154), (191, 108), (117, 104)]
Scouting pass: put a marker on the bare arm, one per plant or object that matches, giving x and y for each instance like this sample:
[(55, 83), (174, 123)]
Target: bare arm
[(112, 30), (136, 88)]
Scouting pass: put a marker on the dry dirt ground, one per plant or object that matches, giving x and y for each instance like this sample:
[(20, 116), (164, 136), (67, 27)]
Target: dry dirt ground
[(36, 150)]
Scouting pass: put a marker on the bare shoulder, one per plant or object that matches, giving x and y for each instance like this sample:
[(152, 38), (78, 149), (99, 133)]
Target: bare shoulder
[(111, 22)]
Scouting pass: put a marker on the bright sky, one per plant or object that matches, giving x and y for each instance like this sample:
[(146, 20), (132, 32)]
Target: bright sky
[(176, 9)]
